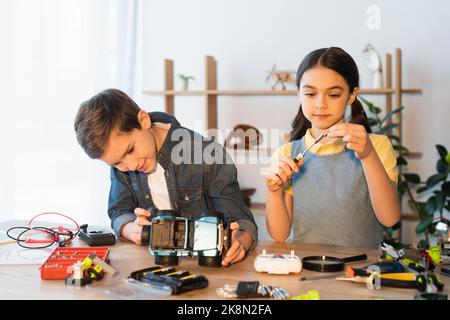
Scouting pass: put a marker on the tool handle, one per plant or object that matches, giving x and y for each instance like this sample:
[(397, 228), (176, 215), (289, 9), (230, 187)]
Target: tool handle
[(397, 283), (145, 235), (360, 257), (296, 160), (399, 276)]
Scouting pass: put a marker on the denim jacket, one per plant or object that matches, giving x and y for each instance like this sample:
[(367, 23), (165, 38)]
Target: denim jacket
[(194, 188)]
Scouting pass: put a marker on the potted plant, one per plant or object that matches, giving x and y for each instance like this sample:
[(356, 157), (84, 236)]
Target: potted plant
[(185, 80), (430, 212)]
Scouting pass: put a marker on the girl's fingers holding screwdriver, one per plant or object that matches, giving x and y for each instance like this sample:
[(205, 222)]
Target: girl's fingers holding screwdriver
[(291, 163), (283, 173), (274, 182)]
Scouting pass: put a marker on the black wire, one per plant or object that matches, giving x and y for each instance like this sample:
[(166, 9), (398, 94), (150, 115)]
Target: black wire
[(54, 236)]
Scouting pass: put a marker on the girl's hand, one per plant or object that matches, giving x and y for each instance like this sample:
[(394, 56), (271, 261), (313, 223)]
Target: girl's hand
[(355, 136), (281, 173)]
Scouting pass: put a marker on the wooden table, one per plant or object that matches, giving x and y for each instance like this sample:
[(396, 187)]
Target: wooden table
[(24, 282)]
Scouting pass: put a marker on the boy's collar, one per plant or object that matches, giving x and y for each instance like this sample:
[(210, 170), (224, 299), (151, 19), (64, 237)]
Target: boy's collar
[(164, 153)]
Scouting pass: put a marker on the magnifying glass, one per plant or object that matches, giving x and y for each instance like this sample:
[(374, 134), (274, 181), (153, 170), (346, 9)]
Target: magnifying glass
[(329, 264)]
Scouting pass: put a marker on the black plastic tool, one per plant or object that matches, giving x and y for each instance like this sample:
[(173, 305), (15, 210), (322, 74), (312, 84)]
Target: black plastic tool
[(329, 264)]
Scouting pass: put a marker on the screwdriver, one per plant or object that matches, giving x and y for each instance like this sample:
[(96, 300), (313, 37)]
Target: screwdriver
[(376, 280), (302, 154), (382, 267)]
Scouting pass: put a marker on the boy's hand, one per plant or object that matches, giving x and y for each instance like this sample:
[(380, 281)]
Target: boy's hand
[(133, 230), (281, 173), (239, 245), (355, 136)]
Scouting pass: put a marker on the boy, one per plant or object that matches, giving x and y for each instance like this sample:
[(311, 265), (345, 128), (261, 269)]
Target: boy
[(149, 171)]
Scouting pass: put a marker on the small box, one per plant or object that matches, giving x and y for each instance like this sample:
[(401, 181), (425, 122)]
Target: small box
[(96, 237), (55, 267)]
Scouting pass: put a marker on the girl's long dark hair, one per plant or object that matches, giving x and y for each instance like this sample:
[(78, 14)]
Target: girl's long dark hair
[(341, 62)]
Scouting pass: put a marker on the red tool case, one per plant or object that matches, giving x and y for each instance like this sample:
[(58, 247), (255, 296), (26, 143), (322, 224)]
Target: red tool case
[(55, 267)]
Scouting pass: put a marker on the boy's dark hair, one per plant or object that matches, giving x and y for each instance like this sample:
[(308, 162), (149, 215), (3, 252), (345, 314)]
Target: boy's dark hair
[(337, 60), (98, 116)]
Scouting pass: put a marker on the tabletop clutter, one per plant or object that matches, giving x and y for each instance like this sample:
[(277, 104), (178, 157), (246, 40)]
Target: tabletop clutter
[(412, 268)]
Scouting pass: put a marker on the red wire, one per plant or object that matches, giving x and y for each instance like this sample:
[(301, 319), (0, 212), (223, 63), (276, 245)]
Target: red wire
[(60, 229)]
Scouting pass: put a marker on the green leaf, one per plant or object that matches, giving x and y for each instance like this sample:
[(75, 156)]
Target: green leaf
[(424, 224), (400, 191), (447, 158), (435, 179), (400, 148), (394, 138), (390, 114), (373, 122), (430, 207), (442, 151), (412, 177), (440, 200), (372, 108), (441, 166), (422, 189), (388, 128), (401, 161), (420, 206), (446, 188)]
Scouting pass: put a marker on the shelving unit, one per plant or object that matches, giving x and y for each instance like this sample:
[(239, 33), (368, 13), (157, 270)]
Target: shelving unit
[(393, 96), (211, 92)]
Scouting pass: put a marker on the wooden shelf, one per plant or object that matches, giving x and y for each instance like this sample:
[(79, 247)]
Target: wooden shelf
[(410, 217), (260, 151), (412, 154), (175, 93), (261, 92), (258, 208), (392, 93)]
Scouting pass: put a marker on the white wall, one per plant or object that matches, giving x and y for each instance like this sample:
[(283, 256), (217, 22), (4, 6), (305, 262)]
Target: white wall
[(54, 55), (247, 37)]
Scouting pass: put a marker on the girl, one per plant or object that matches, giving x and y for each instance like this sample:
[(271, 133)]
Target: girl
[(344, 189)]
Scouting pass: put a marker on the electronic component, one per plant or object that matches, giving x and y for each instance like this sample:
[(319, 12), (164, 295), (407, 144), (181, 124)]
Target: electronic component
[(96, 237), (178, 281), (278, 263)]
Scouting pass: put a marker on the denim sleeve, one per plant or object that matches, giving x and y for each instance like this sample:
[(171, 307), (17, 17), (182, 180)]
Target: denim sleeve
[(121, 201), (223, 189)]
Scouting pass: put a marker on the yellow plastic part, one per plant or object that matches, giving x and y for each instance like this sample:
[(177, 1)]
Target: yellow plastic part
[(310, 295)]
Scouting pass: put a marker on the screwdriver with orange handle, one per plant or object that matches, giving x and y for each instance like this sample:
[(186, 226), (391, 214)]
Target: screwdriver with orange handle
[(302, 154)]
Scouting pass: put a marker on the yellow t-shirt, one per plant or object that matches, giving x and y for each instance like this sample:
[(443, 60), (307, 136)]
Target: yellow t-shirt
[(381, 143)]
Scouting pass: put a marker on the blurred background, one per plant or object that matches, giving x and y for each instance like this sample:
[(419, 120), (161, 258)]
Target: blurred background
[(56, 54)]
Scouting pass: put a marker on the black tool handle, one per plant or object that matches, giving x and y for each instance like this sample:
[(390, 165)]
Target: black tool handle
[(397, 283), (145, 235), (360, 257)]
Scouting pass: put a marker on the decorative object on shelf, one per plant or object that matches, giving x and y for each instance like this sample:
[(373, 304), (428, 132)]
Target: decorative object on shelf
[(243, 136), (185, 80), (373, 61), (246, 193), (393, 92), (282, 77)]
